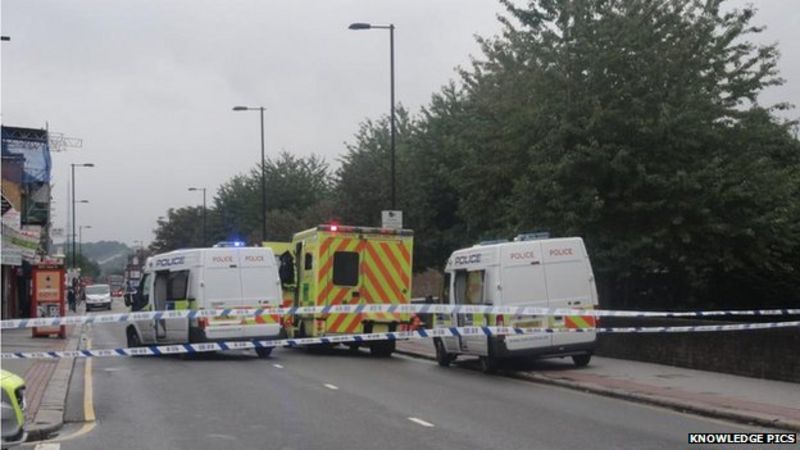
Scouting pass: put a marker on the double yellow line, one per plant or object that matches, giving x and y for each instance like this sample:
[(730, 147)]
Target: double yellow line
[(88, 403)]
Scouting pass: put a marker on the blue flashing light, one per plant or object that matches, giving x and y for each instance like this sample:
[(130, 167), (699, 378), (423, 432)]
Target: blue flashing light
[(229, 244)]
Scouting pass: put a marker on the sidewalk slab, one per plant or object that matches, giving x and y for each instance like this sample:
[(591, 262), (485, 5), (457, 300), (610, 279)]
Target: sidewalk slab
[(751, 400), (46, 381)]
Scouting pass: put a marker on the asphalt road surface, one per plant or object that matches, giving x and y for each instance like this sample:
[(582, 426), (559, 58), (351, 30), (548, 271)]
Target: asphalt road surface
[(340, 400)]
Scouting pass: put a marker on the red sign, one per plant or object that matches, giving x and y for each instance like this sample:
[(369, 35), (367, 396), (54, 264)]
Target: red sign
[(48, 297)]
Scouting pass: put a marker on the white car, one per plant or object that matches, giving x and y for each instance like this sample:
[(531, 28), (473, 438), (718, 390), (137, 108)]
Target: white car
[(98, 296)]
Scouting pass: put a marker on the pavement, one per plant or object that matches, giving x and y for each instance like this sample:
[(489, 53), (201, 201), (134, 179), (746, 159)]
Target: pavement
[(748, 400), (46, 381)]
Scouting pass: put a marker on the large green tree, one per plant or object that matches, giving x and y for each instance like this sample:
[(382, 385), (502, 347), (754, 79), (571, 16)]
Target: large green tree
[(298, 196), (632, 123)]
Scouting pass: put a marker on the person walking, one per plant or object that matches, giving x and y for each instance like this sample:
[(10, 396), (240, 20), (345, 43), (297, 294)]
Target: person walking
[(71, 300)]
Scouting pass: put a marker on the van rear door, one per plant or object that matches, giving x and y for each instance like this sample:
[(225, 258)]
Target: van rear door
[(523, 284), (570, 284), (260, 284)]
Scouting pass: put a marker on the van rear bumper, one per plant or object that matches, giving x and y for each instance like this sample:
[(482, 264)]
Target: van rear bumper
[(240, 332), (498, 349)]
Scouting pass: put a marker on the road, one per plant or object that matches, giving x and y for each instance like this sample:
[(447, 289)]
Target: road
[(340, 400)]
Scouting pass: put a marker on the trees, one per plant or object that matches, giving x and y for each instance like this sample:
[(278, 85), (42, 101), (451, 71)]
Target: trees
[(653, 139), (298, 192), (630, 122)]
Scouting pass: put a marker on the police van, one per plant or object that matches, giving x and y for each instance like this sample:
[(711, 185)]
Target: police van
[(535, 271), (207, 278)]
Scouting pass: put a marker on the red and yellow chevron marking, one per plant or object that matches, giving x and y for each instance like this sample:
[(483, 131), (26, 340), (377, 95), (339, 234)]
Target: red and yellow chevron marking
[(580, 322), (385, 270)]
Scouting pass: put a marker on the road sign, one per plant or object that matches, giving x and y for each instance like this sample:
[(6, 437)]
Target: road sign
[(392, 219)]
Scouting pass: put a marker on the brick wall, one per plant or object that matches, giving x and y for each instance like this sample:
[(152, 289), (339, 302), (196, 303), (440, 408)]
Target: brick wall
[(772, 354)]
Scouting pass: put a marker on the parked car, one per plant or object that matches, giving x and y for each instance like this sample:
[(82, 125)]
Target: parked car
[(13, 409), (98, 296)]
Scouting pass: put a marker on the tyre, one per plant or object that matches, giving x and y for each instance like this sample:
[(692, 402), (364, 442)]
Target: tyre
[(442, 357), (581, 360), (488, 364), (133, 338), (264, 352), (382, 349)]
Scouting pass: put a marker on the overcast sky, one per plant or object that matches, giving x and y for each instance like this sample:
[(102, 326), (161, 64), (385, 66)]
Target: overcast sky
[(149, 85)]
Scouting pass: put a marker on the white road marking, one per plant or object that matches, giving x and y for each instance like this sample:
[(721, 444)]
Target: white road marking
[(331, 387), (278, 366), (420, 422), (49, 446)]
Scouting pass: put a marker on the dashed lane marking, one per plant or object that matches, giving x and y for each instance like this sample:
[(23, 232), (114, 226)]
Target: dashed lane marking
[(421, 422), (331, 387), (278, 366)]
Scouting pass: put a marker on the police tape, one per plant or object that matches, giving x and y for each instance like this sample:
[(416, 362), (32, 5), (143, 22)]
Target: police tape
[(157, 350), (377, 309)]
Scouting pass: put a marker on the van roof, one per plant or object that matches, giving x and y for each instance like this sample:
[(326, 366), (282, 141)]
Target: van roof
[(336, 228), (493, 249), (177, 258)]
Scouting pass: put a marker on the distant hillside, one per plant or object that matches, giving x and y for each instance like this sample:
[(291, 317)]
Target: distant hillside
[(100, 251), (111, 256)]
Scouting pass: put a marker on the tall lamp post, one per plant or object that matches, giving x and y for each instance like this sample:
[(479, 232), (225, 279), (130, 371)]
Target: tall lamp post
[(80, 237), (263, 170), (204, 210), (390, 27), (74, 236), (74, 261)]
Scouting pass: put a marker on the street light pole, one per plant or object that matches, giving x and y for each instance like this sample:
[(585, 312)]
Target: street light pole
[(204, 212), (393, 127), (74, 260), (263, 170)]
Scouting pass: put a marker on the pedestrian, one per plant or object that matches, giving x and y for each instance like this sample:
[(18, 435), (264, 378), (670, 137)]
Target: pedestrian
[(71, 300)]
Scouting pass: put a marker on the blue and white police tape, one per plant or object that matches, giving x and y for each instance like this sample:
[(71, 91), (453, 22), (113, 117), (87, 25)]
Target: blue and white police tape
[(376, 308), (156, 350)]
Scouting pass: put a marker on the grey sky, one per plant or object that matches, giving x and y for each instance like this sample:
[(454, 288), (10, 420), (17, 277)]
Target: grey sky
[(149, 85)]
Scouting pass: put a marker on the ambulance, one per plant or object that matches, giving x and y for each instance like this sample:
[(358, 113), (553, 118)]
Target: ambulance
[(535, 271), (208, 278), (336, 265)]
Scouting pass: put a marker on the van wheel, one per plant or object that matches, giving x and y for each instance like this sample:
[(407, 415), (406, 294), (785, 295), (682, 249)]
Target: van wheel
[(442, 357), (381, 349), (264, 352), (488, 364), (581, 360), (133, 338)]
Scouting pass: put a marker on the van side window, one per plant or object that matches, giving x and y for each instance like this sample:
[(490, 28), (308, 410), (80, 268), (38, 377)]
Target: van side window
[(345, 268), (469, 287), (309, 261), (177, 285)]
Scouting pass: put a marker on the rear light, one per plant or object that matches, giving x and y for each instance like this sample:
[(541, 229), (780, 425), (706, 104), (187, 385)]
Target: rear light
[(501, 322), (202, 322)]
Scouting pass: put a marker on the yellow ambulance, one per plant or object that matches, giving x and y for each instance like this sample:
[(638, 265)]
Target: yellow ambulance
[(346, 265)]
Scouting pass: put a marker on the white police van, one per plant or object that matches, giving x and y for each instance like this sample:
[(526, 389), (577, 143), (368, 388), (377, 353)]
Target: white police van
[(207, 278), (530, 271)]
